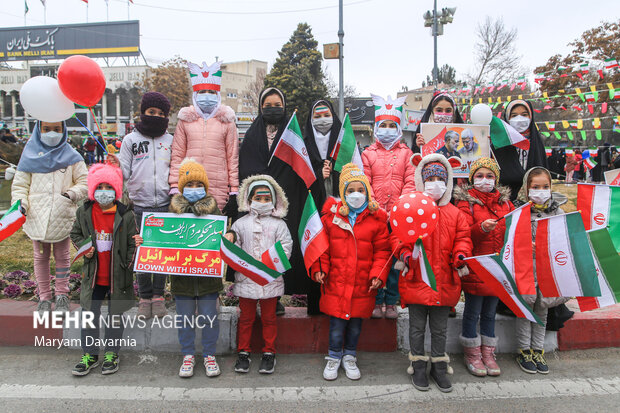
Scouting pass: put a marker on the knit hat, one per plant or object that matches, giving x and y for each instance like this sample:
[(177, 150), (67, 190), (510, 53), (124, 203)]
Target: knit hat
[(205, 77), (105, 173), (262, 182), (155, 100), (352, 173), (434, 169), (484, 162), (190, 170)]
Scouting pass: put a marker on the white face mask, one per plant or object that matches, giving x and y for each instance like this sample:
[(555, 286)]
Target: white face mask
[(387, 137), (355, 199), (484, 184), (262, 208), (323, 124), (520, 123), (104, 196), (435, 189), (51, 138), (539, 196)]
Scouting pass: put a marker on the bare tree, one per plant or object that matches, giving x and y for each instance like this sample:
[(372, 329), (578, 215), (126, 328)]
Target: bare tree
[(332, 88), (253, 92)]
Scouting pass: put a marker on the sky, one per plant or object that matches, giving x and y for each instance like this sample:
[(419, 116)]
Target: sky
[(386, 45)]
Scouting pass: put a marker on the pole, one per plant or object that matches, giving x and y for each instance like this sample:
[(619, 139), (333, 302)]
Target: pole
[(128, 10), (107, 11), (86, 12), (435, 70), (44, 13), (340, 63)]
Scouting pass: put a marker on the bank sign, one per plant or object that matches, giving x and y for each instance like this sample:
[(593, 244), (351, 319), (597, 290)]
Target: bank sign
[(64, 40)]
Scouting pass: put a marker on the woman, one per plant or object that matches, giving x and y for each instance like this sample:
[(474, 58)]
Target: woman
[(442, 109)]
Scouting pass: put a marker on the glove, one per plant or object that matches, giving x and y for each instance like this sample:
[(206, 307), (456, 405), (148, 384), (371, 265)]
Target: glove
[(231, 209), (460, 261)]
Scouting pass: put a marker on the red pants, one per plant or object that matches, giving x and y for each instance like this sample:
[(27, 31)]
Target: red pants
[(247, 308)]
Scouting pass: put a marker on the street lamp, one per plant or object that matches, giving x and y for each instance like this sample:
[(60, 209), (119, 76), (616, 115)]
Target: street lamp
[(436, 21)]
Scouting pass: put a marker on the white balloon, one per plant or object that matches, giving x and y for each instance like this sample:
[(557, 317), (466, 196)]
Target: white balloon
[(481, 114), (42, 98)]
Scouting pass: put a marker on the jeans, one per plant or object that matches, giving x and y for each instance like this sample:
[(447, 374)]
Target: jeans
[(247, 314), (187, 318), (343, 333), (479, 307), (113, 331), (90, 157), (438, 323), (149, 284), (42, 251), (389, 294)]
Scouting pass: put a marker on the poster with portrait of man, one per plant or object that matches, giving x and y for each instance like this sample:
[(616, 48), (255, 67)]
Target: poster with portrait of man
[(468, 142)]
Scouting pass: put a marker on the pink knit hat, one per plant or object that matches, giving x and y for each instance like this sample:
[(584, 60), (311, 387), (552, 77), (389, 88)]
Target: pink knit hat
[(105, 173)]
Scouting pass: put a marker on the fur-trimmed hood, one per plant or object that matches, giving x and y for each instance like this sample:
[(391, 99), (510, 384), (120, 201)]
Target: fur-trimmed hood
[(280, 204), (461, 193), (207, 205), (332, 204), (419, 182), (224, 114)]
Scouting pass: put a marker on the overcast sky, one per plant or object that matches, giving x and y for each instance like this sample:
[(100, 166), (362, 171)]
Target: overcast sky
[(386, 45)]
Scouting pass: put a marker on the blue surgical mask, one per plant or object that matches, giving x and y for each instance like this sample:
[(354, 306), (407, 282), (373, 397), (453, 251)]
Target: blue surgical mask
[(194, 194), (206, 102), (387, 137)]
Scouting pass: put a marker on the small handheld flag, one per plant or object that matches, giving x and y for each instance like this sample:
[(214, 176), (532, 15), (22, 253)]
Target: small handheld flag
[(12, 220)]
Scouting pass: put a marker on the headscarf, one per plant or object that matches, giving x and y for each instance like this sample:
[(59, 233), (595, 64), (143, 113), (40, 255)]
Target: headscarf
[(37, 157), (427, 117)]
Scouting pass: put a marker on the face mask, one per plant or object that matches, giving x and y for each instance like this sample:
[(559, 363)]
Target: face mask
[(152, 126), (484, 184), (273, 114), (387, 137), (520, 123), (194, 194), (539, 196), (323, 125), (51, 138), (105, 196), (355, 199), (261, 208), (435, 189), (442, 117), (206, 102)]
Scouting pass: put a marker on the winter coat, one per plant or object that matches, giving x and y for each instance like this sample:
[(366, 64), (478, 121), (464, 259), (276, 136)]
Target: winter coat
[(478, 207), (390, 173), (450, 239), (355, 256), (256, 234), (189, 285), (122, 296), (214, 144), (145, 162), (49, 214)]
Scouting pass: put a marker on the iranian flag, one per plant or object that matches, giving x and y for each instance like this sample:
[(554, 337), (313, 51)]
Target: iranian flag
[(82, 248), (564, 264), (517, 250), (419, 254), (276, 259), (312, 237), (434, 144), (600, 208), (589, 163), (291, 149), (607, 262), (502, 134), (12, 220), (242, 262), (345, 150), (548, 151), (611, 63), (496, 276)]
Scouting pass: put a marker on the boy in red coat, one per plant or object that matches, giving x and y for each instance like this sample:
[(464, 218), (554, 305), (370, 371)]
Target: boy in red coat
[(445, 247), (352, 268)]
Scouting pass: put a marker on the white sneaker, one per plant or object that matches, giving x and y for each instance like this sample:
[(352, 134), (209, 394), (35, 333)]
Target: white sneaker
[(187, 368), (213, 370), (350, 367), (331, 368)]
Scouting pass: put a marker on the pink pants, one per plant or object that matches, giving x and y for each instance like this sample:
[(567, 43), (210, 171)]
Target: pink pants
[(42, 267)]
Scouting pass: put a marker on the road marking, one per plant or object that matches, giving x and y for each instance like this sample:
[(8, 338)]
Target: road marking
[(400, 392)]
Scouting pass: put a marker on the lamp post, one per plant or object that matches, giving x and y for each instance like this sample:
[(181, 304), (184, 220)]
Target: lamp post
[(436, 22), (340, 63)]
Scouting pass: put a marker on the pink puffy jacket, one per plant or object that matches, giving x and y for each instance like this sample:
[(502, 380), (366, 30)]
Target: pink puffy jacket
[(214, 144), (390, 172)]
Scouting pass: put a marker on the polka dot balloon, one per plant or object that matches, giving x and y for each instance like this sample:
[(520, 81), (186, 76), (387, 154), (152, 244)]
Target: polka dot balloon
[(413, 216)]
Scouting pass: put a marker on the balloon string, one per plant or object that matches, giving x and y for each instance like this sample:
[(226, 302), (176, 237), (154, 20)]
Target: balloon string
[(98, 128), (88, 130)]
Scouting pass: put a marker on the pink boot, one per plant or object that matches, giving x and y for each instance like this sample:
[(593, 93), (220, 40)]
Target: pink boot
[(473, 356), (488, 355)]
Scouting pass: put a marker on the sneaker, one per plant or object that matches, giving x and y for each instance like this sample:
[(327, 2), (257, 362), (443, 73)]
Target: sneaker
[(44, 307), (144, 308), (331, 368), (391, 312), (62, 303), (87, 362), (525, 360), (211, 366), (377, 312), (267, 363), (187, 368), (541, 364), (110, 363), (349, 363), (158, 307), (280, 308), (243, 362)]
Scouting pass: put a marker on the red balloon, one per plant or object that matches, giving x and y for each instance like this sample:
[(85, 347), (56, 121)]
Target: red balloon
[(118, 144), (414, 216), (81, 80)]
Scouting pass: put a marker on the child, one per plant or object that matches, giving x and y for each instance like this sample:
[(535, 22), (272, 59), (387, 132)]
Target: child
[(531, 336), (387, 166), (484, 202), (446, 248), (354, 266), (196, 293), (255, 233), (50, 181), (107, 269)]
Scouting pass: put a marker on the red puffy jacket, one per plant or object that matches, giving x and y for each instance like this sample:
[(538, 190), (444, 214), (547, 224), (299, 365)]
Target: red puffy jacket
[(478, 207), (449, 240), (355, 256)]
